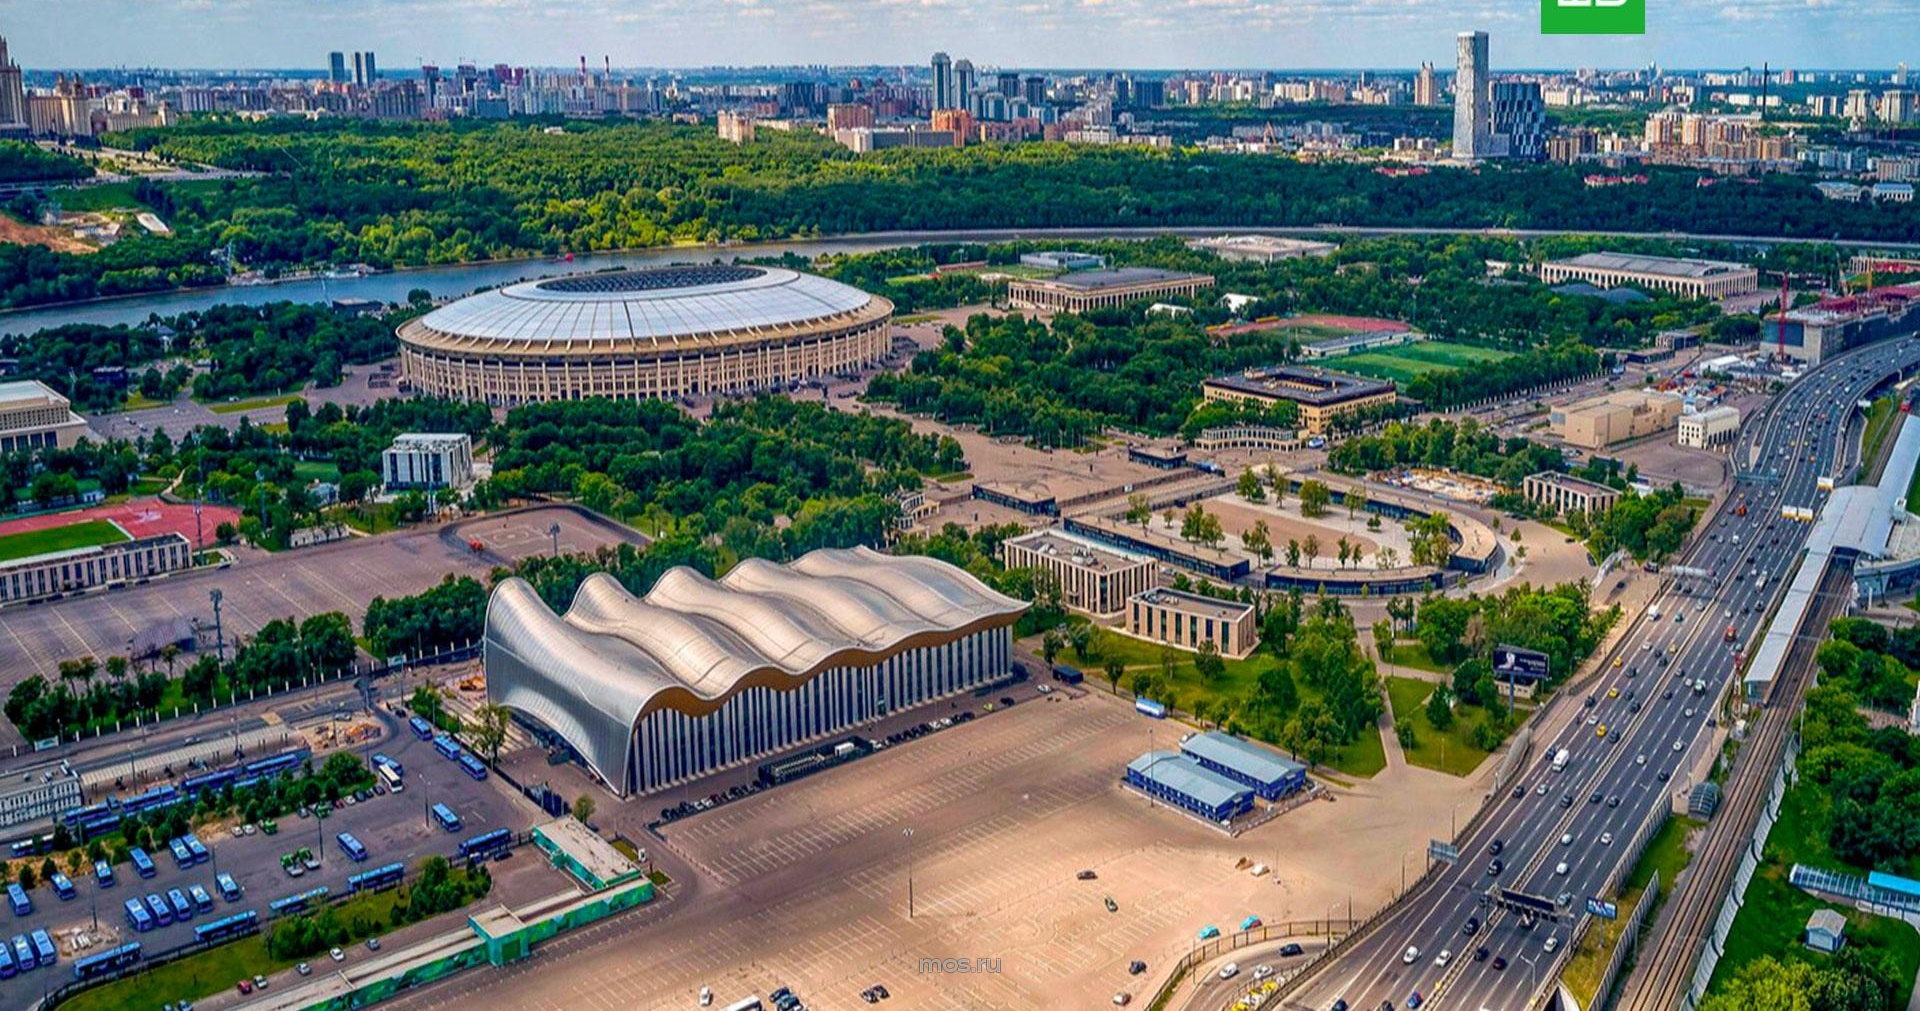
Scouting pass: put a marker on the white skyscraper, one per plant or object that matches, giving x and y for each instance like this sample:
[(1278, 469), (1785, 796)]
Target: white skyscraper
[(1472, 119)]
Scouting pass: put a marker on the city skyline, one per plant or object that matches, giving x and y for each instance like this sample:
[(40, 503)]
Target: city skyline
[(1196, 34)]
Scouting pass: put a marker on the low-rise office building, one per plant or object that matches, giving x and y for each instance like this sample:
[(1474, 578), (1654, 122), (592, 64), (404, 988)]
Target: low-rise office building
[(428, 460), (1188, 619), (1261, 248), (32, 416), (1269, 774), (1320, 395), (1688, 278), (77, 569), (1093, 579), (1813, 333), (1064, 259), (1710, 428), (1599, 422), (1182, 782), (1100, 289), (1564, 493), (1029, 497)]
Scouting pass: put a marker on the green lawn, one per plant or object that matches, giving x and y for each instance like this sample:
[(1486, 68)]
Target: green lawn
[(1364, 758), (316, 470), (84, 534), (147, 486), (1775, 912), (1450, 751), (1413, 653), (1666, 853), (136, 402), (1880, 423), (236, 406), (1404, 363), (105, 197)]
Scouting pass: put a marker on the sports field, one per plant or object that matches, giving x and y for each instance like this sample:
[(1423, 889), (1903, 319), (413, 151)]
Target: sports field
[(84, 534), (1403, 363)]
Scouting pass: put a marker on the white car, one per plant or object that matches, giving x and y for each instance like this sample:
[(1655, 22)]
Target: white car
[(1606, 838), (1552, 945), (1230, 970), (1262, 971), (1592, 718), (1412, 955), (1566, 839), (337, 955), (1440, 961), (1560, 868), (706, 996), (1677, 746), (1687, 712), (1640, 759)]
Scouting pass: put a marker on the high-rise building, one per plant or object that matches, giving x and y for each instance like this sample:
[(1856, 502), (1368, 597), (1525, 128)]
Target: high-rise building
[(364, 71), (963, 83), (849, 116), (1472, 120), (736, 127), (13, 94), (942, 81), (1520, 119), (1896, 106), (1034, 89), (1009, 84), (1149, 94), (337, 67), (1426, 86)]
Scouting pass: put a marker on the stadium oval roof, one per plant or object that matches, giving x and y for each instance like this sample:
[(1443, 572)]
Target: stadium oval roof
[(653, 307), (692, 643)]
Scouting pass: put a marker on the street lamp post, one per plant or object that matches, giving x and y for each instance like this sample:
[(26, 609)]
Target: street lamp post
[(908, 833)]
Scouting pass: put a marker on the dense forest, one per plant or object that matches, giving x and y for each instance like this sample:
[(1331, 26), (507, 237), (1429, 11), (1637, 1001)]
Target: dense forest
[(21, 162)]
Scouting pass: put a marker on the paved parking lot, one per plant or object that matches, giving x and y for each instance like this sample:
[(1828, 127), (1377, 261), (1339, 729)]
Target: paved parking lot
[(395, 827)]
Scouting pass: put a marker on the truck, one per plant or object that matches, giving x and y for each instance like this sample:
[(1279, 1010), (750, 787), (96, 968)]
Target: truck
[(1653, 613), (1561, 758)]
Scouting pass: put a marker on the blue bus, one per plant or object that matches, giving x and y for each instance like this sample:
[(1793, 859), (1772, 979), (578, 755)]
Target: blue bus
[(23, 953), (446, 818), (202, 901), (103, 874), (182, 909), (157, 905), (473, 767), (107, 961), (197, 848), (32, 846), (355, 852), (44, 948), (182, 856), (229, 888), (142, 864), (379, 760), (7, 969), (486, 844), (63, 886), (283, 762), (17, 898), (158, 797), (421, 728), (227, 926), (377, 879), (137, 916), (297, 903), (447, 747), (1148, 707)]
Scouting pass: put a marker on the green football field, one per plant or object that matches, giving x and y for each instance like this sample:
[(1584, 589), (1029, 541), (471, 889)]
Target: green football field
[(76, 535), (1403, 363)]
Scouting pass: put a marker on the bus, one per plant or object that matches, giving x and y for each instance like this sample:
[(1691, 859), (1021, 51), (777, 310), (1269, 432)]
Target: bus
[(32, 846), (229, 888), (17, 898), (383, 762), (1148, 707), (197, 848), (63, 886), (286, 761), (107, 961), (421, 728), (23, 953), (355, 852), (226, 927), (43, 947), (7, 968), (377, 879), (103, 874), (137, 916), (446, 818), (486, 844), (157, 905), (473, 767), (142, 864), (391, 778), (298, 903), (181, 855), (447, 747), (182, 909), (202, 901)]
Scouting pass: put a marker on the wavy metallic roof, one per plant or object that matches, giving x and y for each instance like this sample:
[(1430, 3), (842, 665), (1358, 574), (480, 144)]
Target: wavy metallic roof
[(655, 306), (692, 643)]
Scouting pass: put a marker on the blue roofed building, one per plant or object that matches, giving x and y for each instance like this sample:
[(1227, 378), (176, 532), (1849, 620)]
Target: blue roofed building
[(1267, 773), (1182, 782)]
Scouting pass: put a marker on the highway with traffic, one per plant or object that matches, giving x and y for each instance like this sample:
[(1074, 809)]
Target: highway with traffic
[(1639, 729)]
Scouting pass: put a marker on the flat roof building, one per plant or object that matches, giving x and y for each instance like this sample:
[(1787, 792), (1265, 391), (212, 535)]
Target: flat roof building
[(1715, 426), (1100, 289), (1320, 395), (1029, 497), (428, 460), (1158, 456), (1188, 619), (1184, 783), (1688, 278), (33, 416), (1269, 774), (122, 562), (1093, 579), (1063, 259), (1564, 493), (1815, 332), (1599, 422), (1261, 248), (1354, 343)]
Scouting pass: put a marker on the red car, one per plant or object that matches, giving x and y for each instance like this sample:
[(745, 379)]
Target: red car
[(245, 986)]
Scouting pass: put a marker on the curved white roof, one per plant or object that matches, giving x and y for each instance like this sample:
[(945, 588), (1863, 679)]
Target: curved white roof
[(652, 304), (692, 643)]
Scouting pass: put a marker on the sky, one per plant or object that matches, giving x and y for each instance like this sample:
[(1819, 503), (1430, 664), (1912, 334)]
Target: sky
[(1144, 34)]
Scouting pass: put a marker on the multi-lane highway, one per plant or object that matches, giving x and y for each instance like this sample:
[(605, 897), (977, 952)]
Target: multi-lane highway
[(1564, 834)]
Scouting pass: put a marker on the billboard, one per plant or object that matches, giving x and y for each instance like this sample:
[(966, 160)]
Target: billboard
[(1601, 907), (1516, 663)]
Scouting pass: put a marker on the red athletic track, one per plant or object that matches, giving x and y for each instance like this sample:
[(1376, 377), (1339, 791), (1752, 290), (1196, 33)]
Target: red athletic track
[(140, 518)]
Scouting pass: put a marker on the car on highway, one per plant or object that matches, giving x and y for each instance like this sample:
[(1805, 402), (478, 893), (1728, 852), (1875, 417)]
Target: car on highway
[(1677, 746), (1560, 868), (1499, 963), (1410, 956), (1495, 866), (1262, 971), (1499, 846), (1613, 801), (1606, 838), (1230, 970), (1552, 945), (1440, 961)]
